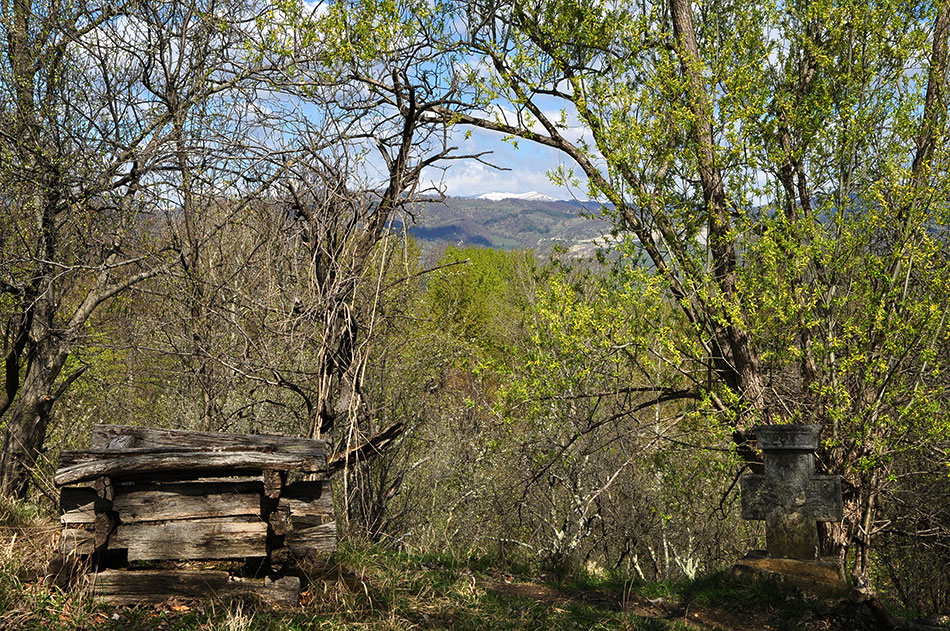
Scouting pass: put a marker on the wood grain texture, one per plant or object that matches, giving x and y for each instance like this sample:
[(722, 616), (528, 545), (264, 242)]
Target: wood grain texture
[(101, 487), (130, 587), (310, 498), (124, 441), (76, 541), (86, 538), (104, 488), (76, 466), (127, 482), (79, 505), (220, 538), (302, 505), (273, 483), (311, 540), (146, 437), (146, 502), (104, 526), (309, 490)]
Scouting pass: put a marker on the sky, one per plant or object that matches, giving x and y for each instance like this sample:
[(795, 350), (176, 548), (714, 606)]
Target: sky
[(527, 164), (525, 168), (528, 167)]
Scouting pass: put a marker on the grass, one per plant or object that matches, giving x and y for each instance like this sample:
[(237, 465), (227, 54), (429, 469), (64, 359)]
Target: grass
[(788, 607), (370, 587), (361, 587)]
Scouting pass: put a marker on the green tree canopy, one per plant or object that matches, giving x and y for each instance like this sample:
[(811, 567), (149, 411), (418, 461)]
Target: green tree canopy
[(781, 169)]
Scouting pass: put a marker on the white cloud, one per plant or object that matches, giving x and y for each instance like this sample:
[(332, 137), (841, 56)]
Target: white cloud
[(315, 9), (527, 165), (470, 178)]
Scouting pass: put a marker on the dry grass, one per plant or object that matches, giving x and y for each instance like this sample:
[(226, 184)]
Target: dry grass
[(29, 595), (371, 587), (361, 587)]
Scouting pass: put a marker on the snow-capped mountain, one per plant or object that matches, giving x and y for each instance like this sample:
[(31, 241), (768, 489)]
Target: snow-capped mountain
[(531, 196)]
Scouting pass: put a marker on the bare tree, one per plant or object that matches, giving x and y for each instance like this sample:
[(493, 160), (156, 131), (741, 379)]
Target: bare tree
[(283, 285), (95, 101)]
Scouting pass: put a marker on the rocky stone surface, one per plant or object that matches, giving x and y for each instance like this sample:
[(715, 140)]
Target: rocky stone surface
[(820, 577)]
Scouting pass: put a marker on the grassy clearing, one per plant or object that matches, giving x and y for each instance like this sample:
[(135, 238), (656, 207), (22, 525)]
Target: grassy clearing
[(361, 587), (371, 587)]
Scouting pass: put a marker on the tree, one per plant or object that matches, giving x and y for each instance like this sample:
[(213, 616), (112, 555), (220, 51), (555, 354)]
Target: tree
[(138, 136), (98, 102), (600, 431), (781, 170), (472, 296), (281, 294)]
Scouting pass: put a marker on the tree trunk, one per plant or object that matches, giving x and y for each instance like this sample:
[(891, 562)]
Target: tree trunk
[(739, 365), (25, 434), (28, 416)]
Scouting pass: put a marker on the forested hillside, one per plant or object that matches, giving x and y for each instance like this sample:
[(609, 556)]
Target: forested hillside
[(510, 223), (222, 215)]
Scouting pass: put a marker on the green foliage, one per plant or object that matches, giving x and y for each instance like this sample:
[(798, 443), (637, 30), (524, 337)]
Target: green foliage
[(597, 418), (15, 514), (860, 271), (547, 427), (780, 175), (781, 199), (481, 296)]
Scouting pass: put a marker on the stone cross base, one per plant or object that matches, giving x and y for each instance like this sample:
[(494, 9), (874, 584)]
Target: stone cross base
[(823, 577)]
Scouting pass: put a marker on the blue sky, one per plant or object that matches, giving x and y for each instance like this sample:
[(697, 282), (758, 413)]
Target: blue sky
[(529, 165)]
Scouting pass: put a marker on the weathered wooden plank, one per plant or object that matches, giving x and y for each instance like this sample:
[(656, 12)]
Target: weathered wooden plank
[(219, 538), (104, 488), (273, 484), (76, 541), (89, 537), (80, 505), (101, 487), (104, 527), (310, 498), (310, 490), (129, 587), (85, 514), (102, 435), (165, 502), (302, 505), (312, 540), (279, 521), (125, 441), (76, 466), (127, 482)]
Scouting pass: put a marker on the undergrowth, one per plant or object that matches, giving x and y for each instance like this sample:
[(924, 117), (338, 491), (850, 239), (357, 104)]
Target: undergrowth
[(374, 587)]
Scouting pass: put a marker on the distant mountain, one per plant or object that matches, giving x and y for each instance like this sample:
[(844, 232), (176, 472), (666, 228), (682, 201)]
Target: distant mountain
[(532, 196), (537, 223)]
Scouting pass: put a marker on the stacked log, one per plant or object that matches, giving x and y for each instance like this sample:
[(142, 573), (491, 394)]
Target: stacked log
[(166, 495), (156, 586)]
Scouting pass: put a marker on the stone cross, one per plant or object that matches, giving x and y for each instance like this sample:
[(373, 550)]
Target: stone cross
[(789, 496)]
